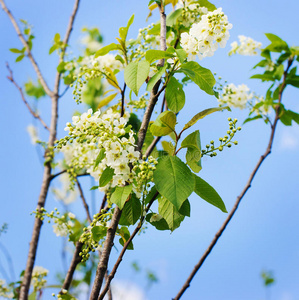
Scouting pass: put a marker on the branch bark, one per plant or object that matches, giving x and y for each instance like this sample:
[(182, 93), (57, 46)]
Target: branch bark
[(246, 188)]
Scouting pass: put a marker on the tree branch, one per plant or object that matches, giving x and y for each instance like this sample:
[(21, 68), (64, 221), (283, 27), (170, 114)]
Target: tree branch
[(34, 114), (83, 200), (240, 197), (29, 54), (103, 264), (120, 257)]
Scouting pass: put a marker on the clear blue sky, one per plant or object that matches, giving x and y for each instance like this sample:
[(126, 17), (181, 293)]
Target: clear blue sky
[(264, 233)]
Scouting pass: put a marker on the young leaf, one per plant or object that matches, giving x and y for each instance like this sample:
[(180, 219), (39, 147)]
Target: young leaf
[(203, 114), (207, 4), (125, 235), (208, 193), (106, 176), (19, 58), (193, 155), (151, 83), (164, 124), (170, 213), (106, 100), (120, 195), (175, 95), (123, 31), (153, 55), (173, 17), (100, 157), (182, 55), (14, 50), (168, 147), (174, 180), (131, 212), (106, 49), (135, 74), (98, 232), (201, 76)]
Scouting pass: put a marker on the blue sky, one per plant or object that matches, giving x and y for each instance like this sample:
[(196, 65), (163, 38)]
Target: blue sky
[(263, 234)]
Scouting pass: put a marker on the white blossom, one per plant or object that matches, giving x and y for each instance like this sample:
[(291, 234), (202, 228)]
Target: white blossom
[(60, 229), (246, 46), (205, 36), (235, 96)]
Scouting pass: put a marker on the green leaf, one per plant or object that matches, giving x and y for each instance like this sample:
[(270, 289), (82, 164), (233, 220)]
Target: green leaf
[(158, 221), (294, 116), (151, 83), (164, 124), (175, 95), (203, 114), (201, 76), (182, 55), (105, 101), (34, 89), (19, 58), (98, 232), (14, 50), (193, 154), (173, 17), (99, 158), (106, 176), (168, 147), (252, 119), (173, 180), (131, 212), (52, 49), (208, 193), (151, 195), (293, 80), (120, 195), (32, 296), (125, 235), (207, 4), (185, 209), (57, 38), (170, 213), (106, 49), (279, 72), (277, 44), (264, 77), (123, 31), (135, 74), (153, 55)]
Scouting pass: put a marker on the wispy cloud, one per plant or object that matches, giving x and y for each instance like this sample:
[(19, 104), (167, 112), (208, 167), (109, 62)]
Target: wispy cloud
[(290, 138), (126, 290)]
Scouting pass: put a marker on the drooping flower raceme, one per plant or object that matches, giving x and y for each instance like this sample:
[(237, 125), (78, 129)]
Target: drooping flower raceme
[(103, 144), (205, 36), (5, 290), (246, 46), (235, 96)]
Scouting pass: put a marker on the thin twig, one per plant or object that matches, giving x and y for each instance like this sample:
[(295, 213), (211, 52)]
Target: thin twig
[(34, 114), (240, 197), (120, 257), (123, 100), (83, 200), (29, 54)]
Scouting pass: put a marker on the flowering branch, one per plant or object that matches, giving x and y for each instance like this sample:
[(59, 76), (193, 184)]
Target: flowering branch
[(34, 114), (246, 188), (29, 54)]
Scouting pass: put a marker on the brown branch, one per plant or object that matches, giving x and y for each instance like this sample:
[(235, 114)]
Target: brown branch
[(120, 257), (34, 114), (240, 197), (29, 54), (47, 176), (83, 200), (123, 100), (102, 266)]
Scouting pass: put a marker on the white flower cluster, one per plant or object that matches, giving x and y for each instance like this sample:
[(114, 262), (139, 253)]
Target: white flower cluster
[(101, 63), (247, 46), (60, 229), (96, 137), (89, 42), (5, 291), (38, 281), (191, 12), (205, 36), (235, 96)]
